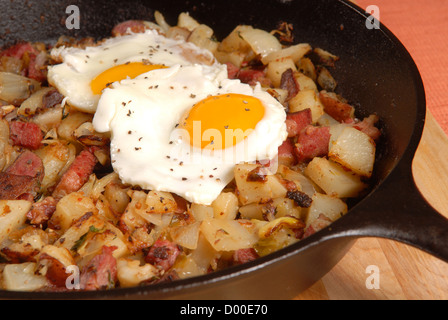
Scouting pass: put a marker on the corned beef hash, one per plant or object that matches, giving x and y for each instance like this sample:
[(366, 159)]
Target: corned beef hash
[(162, 153)]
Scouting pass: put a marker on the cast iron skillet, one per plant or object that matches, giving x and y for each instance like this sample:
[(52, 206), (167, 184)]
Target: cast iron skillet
[(375, 72)]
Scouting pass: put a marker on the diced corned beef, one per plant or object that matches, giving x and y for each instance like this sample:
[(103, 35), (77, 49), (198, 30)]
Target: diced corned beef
[(27, 164), (42, 211), (181, 204), (297, 121), (36, 63), (77, 174), (290, 84), (232, 70), (101, 272), (286, 154), (13, 186), (18, 50), (169, 276), (36, 67), (25, 134), (163, 254), (312, 142), (51, 99), (252, 77), (339, 110), (56, 273), (134, 26), (300, 198), (244, 255), (368, 127)]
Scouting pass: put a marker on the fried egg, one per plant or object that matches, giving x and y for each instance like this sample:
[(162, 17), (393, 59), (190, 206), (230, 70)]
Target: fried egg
[(83, 74), (183, 129)]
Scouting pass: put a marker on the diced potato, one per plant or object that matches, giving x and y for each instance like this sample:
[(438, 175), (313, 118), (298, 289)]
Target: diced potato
[(202, 256), (116, 194), (130, 273), (227, 235), (295, 53), (160, 20), (262, 42), (202, 37), (276, 68), (236, 58), (354, 150), (186, 21), (12, 216), (305, 82), (201, 212), (327, 121), (257, 191), (252, 211), (307, 99), (306, 66), (70, 208), (225, 206), (160, 202), (326, 80), (178, 33), (155, 207), (234, 42), (326, 57), (331, 206), (280, 94), (334, 179), (186, 267), (22, 277), (187, 236), (303, 183)]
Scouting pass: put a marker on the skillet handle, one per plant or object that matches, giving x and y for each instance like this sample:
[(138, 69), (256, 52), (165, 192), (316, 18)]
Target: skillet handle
[(398, 211)]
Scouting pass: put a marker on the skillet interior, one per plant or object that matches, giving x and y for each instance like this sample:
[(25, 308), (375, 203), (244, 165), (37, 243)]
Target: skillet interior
[(375, 73)]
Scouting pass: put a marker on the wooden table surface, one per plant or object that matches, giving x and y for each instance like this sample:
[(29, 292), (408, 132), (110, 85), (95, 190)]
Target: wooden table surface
[(406, 273)]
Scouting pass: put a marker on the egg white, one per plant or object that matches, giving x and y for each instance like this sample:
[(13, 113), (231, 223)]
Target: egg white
[(79, 67), (146, 148)]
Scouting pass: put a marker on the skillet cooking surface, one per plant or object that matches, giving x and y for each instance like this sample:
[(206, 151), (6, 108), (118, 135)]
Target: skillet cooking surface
[(375, 73)]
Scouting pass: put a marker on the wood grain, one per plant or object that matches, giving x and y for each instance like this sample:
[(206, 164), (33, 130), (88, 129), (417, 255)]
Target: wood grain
[(405, 273)]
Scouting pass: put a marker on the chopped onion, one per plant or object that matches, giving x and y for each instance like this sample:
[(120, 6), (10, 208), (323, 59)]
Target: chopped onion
[(187, 236), (261, 42), (15, 89), (34, 102)]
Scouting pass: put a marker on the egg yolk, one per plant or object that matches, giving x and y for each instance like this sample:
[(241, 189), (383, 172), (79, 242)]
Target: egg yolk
[(222, 121), (121, 72)]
